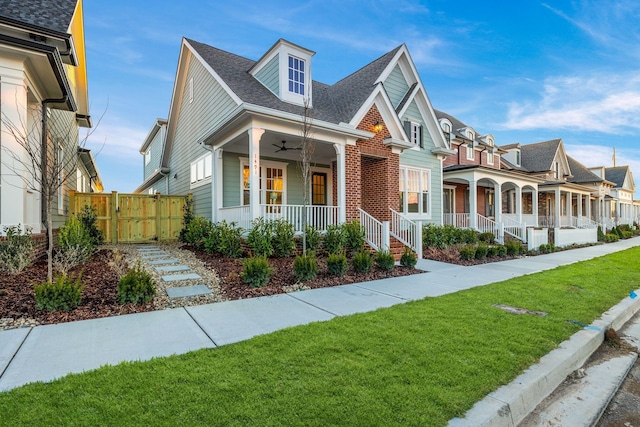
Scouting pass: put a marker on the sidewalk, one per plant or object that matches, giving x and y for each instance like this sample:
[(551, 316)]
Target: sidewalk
[(44, 353)]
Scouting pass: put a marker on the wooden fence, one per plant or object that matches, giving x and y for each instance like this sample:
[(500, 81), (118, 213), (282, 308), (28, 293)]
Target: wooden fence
[(134, 218)]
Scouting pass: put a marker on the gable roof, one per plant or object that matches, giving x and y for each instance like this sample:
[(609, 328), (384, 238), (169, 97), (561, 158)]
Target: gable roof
[(538, 157), (54, 15), (334, 104), (616, 174), (581, 174), (455, 123)]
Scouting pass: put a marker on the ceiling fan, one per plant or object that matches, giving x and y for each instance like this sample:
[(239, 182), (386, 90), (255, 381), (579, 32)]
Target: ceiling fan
[(283, 147)]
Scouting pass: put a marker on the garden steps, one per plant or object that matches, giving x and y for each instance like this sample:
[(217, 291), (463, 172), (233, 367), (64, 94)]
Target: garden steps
[(173, 271)]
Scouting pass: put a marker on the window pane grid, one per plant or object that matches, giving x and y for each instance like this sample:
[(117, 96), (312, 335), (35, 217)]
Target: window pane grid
[(296, 75)]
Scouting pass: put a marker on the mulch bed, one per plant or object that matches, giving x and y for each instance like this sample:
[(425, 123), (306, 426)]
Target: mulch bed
[(99, 297), (283, 278), (451, 255)]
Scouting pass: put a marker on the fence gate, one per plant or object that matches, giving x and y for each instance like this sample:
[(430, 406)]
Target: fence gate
[(134, 218)]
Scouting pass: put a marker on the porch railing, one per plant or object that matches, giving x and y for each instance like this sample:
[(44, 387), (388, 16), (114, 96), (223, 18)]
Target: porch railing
[(547, 221), (376, 233), (586, 222), (319, 217), (486, 225), (407, 231), (459, 220), (241, 215), (515, 228)]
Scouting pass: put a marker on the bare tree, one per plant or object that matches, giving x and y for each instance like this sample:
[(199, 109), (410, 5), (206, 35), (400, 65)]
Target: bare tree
[(46, 158), (307, 148)]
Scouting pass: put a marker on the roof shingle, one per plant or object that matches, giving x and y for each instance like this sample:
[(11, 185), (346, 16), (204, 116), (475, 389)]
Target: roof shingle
[(53, 15)]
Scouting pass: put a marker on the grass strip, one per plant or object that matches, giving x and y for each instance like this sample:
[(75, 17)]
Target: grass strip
[(420, 363)]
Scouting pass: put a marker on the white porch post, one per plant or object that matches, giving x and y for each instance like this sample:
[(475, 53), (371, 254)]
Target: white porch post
[(498, 202), (534, 206), (569, 207), (473, 205), (342, 184), (216, 184), (254, 171), (556, 206), (587, 205), (579, 213), (519, 204)]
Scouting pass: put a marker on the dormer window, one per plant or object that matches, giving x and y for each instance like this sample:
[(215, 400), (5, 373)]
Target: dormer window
[(518, 158), (296, 75), (470, 150)]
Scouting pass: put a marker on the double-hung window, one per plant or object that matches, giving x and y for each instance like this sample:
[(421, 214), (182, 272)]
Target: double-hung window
[(296, 75), (415, 186), (201, 171), (272, 181)]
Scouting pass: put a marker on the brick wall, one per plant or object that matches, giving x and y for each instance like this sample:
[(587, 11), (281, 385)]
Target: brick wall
[(372, 173), (39, 243), (480, 158)]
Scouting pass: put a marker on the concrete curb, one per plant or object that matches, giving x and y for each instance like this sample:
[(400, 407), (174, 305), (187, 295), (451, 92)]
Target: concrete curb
[(510, 404)]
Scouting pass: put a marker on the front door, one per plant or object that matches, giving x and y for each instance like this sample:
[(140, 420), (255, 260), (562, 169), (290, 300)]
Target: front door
[(319, 188)]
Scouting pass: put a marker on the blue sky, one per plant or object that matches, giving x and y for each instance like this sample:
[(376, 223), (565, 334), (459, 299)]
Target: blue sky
[(524, 71)]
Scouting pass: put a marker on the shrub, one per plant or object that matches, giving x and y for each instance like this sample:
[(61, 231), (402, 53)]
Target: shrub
[(354, 236), (513, 247), (197, 232), (256, 271), (334, 239), (337, 264), (467, 252), (408, 258), (305, 267), (447, 235), (468, 236), (481, 251), (487, 237), (186, 220), (492, 251), (63, 294), (260, 238), (547, 248), (362, 261), (75, 245), (136, 286), (385, 260), (229, 239), (312, 237), (88, 216), (16, 252), (600, 234), (502, 250), (610, 238), (283, 243)]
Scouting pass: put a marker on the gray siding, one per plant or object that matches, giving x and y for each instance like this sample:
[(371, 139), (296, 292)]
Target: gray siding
[(155, 148), (269, 76), (210, 104), (396, 86), (425, 159)]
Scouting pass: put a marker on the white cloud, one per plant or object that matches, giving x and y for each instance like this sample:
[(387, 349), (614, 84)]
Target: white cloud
[(117, 142), (601, 102)]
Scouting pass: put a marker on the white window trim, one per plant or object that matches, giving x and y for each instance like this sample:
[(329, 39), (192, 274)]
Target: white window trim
[(329, 172), (419, 215), (147, 156), (470, 151), (264, 164), (207, 166), (490, 156)]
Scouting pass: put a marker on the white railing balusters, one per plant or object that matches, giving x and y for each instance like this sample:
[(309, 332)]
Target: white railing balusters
[(407, 231), (514, 228), (376, 233)]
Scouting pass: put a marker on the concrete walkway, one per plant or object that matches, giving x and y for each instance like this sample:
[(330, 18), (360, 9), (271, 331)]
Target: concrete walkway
[(44, 353)]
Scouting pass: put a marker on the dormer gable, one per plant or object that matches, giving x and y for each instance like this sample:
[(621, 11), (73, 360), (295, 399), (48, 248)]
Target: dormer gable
[(512, 154), (285, 69)]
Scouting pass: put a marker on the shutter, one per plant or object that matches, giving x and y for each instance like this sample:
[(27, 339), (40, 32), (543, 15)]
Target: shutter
[(407, 130), (420, 139)]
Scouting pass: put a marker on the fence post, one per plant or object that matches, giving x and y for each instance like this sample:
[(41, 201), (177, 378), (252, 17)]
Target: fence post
[(419, 239), (158, 203), (114, 217), (385, 241)]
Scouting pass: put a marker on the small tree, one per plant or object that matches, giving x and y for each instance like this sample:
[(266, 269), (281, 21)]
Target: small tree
[(307, 148), (48, 156)]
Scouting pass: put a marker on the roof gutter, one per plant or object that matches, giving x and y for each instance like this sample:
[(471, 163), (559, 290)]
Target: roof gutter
[(35, 30)]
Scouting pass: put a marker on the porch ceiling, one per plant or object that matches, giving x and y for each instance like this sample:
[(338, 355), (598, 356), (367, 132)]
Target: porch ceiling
[(270, 143)]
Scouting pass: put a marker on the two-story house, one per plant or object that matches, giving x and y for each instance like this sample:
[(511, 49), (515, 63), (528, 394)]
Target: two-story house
[(235, 129), (44, 102)]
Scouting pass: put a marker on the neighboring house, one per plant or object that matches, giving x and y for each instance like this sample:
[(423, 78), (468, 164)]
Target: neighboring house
[(478, 191), (235, 125), (42, 68), (619, 208)]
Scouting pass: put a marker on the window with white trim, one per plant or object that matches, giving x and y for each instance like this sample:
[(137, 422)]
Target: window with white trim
[(518, 158), (201, 171), (415, 134), (147, 156), (470, 151), (273, 182), (556, 170), (490, 156), (415, 195), (296, 75)]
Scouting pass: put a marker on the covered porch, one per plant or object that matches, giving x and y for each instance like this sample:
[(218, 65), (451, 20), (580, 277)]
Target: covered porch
[(565, 205)]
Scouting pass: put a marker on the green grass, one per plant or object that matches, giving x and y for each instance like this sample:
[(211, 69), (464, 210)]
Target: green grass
[(420, 363)]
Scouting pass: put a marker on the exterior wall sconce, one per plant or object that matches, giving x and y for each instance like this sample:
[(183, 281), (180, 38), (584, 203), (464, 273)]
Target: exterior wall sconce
[(377, 127)]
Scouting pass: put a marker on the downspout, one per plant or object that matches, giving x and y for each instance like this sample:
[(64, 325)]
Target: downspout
[(44, 163)]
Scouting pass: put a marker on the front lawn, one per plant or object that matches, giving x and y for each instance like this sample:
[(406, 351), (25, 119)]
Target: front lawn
[(420, 363)]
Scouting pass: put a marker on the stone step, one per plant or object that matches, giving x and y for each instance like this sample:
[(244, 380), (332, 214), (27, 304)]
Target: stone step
[(172, 268), (187, 291), (179, 277), (164, 261), (155, 256)]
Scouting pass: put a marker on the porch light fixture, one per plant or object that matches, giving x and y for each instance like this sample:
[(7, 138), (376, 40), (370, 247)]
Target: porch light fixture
[(377, 127)]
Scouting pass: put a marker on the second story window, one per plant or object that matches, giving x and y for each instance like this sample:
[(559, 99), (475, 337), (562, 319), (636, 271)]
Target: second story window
[(296, 75), (556, 170)]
